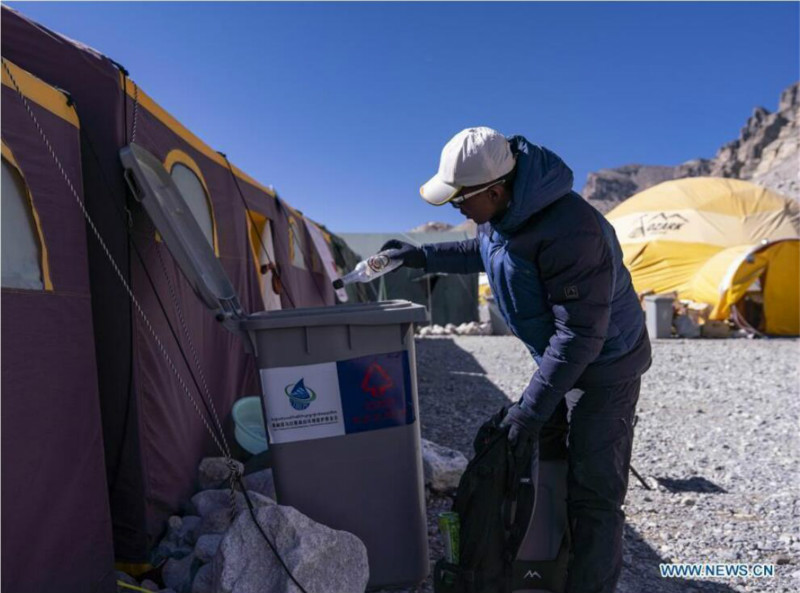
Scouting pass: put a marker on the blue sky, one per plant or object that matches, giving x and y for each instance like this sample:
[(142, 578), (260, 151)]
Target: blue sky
[(344, 107)]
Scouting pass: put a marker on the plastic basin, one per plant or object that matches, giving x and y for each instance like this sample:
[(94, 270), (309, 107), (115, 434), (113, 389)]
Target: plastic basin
[(249, 429)]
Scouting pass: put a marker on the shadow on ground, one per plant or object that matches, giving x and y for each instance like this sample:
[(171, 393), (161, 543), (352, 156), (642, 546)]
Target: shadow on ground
[(455, 395), (641, 571), (693, 484)]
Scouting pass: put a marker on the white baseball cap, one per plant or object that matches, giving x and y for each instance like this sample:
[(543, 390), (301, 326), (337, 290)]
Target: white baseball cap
[(472, 157)]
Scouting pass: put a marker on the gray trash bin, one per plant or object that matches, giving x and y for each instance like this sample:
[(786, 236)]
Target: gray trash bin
[(658, 315), (340, 401), (339, 390)]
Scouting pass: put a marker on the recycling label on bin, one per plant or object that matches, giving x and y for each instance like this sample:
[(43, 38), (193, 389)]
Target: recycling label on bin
[(329, 399)]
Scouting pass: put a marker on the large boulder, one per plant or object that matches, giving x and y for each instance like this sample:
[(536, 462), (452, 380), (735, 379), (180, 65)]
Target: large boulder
[(442, 466), (214, 472), (215, 508), (208, 501), (216, 522), (207, 546), (261, 482), (321, 559)]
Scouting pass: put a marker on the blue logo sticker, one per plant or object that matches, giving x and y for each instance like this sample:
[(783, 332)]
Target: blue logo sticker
[(299, 395)]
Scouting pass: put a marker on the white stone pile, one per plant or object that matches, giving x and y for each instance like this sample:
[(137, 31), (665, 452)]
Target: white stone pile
[(214, 550), (472, 328)]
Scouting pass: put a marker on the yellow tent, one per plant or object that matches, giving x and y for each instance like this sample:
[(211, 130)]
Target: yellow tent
[(717, 241)]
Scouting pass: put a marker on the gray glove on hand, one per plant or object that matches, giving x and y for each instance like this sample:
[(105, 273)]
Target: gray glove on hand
[(521, 424)]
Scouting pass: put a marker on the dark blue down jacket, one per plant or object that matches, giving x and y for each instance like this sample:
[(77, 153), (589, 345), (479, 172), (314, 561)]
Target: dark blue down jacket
[(555, 268)]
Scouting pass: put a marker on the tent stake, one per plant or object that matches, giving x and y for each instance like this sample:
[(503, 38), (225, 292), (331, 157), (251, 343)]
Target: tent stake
[(640, 478)]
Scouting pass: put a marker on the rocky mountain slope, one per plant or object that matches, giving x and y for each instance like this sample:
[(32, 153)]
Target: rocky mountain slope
[(467, 226), (431, 227), (767, 152)]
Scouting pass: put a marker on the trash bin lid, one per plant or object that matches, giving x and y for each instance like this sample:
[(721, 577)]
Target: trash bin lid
[(381, 313), (161, 198)]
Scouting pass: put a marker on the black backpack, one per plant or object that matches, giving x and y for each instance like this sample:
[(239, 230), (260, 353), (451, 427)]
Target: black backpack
[(495, 502)]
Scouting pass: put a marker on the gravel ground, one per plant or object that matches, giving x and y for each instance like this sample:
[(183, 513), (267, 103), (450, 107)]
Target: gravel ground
[(717, 439)]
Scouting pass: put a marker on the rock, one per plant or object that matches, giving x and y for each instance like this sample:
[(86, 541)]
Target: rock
[(204, 580), (320, 558), (442, 466), (473, 328), (218, 518), (149, 585), (182, 530), (687, 501), (261, 482), (166, 550), (209, 501), (206, 547), (215, 522), (178, 574), (790, 98), (178, 542), (189, 528), (214, 472), (450, 329)]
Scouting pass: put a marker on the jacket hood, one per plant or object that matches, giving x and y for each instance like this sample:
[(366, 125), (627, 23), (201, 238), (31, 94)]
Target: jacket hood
[(541, 179)]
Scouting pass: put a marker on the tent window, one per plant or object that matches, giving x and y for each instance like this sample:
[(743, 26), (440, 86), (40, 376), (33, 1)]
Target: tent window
[(21, 247), (260, 231), (194, 194), (296, 245)]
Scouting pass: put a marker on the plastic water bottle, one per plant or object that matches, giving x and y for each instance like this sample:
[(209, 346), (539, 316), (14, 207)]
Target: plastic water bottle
[(371, 268)]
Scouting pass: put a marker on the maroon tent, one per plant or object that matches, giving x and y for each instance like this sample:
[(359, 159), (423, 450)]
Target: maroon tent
[(56, 519), (153, 434)]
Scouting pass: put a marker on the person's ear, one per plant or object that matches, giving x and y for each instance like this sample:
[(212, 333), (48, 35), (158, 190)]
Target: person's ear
[(501, 195)]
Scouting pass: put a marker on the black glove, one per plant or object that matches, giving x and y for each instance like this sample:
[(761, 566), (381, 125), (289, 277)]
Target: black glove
[(521, 424), (412, 257)]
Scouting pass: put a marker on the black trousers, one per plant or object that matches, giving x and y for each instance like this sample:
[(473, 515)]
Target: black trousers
[(593, 427)]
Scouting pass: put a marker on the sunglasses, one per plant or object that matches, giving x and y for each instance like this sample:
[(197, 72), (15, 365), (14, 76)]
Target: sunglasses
[(458, 200)]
